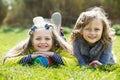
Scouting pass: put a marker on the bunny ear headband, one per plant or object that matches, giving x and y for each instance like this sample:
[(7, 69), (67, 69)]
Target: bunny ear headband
[(56, 19), (39, 23)]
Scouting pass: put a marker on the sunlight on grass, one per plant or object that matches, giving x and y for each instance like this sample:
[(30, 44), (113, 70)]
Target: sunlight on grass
[(116, 47)]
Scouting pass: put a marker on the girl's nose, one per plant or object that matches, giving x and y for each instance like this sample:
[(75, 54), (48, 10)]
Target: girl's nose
[(92, 32), (42, 41)]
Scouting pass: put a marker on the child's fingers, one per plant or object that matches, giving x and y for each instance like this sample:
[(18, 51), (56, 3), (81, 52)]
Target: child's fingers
[(44, 55), (47, 53), (95, 62), (91, 64)]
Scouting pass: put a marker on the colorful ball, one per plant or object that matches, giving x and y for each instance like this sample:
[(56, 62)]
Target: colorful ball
[(43, 61)]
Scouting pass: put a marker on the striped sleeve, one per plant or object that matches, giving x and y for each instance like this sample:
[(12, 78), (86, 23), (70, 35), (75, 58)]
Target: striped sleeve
[(26, 60), (57, 58)]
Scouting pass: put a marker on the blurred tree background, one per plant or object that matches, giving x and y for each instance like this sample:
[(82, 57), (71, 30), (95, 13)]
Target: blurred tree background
[(19, 13)]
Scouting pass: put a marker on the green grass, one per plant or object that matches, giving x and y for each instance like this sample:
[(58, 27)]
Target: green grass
[(9, 37)]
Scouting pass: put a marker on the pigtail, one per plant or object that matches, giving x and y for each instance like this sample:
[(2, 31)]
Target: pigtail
[(62, 43)]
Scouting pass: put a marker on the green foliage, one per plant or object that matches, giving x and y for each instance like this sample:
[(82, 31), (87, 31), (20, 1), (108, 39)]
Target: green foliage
[(9, 37), (117, 29), (112, 7), (3, 11), (23, 11)]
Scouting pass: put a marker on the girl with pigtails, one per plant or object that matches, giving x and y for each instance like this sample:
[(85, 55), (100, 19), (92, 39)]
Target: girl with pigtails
[(44, 46)]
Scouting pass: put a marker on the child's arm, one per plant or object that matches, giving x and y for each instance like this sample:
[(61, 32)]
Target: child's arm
[(105, 57), (76, 51), (57, 58), (26, 60)]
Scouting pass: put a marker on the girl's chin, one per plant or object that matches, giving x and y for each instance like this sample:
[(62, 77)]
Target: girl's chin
[(43, 50), (91, 43)]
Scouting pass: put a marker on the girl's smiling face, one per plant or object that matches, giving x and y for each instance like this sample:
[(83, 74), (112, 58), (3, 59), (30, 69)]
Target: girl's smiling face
[(92, 32), (42, 40)]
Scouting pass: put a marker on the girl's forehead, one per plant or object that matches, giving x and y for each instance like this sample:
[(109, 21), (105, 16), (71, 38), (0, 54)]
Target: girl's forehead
[(43, 31), (95, 23)]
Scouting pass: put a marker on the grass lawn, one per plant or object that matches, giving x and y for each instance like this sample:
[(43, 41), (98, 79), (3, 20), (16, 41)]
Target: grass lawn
[(9, 37)]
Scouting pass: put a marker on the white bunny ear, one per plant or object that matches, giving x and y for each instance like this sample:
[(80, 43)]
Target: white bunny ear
[(56, 18), (38, 21)]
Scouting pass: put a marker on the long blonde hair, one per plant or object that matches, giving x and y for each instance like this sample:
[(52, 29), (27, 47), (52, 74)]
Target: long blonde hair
[(87, 17), (25, 46)]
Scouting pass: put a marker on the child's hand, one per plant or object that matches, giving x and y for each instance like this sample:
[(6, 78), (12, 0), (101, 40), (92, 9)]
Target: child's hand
[(36, 54), (95, 63), (47, 53), (44, 54)]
